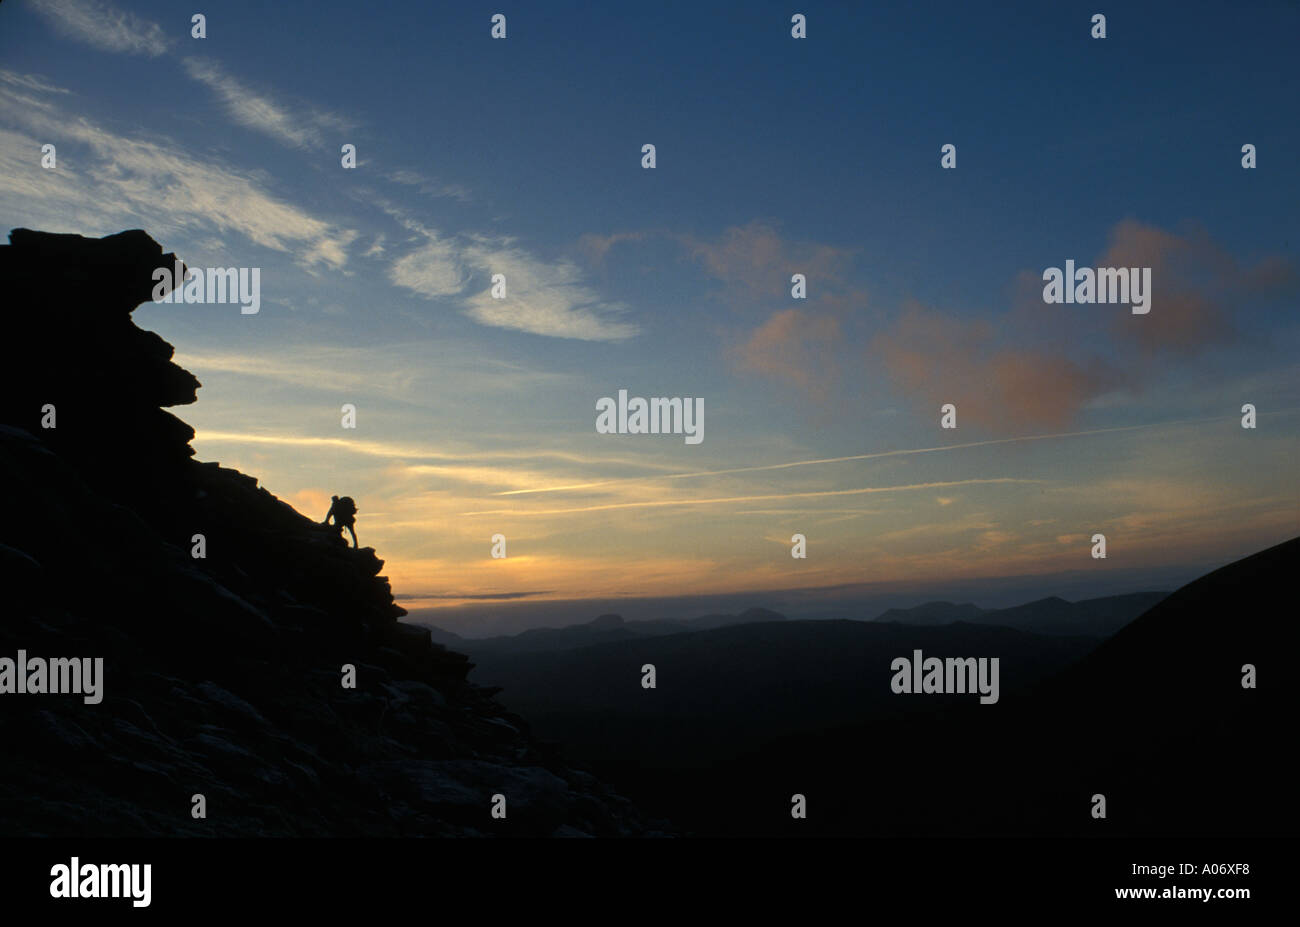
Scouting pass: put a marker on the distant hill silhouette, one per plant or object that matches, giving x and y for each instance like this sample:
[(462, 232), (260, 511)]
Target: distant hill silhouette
[(604, 629), (446, 638), (933, 613), (733, 688), (1090, 617), (1099, 617), (743, 717), (222, 674)]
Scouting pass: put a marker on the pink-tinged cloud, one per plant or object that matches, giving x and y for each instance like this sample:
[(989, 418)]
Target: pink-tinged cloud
[(1196, 286), (796, 341), (940, 359), (793, 346), (1025, 368), (756, 265), (596, 247)]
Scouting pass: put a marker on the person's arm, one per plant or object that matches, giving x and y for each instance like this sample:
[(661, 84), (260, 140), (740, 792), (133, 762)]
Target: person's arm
[(328, 515)]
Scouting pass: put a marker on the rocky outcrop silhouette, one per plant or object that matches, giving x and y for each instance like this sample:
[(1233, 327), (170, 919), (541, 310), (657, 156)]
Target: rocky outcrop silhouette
[(222, 674)]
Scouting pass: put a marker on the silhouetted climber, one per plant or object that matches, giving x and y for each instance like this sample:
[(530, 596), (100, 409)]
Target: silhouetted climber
[(344, 513)]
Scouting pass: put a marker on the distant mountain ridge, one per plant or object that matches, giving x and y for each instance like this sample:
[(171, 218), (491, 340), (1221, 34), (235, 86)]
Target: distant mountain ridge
[(1099, 617), (1155, 718), (602, 630)]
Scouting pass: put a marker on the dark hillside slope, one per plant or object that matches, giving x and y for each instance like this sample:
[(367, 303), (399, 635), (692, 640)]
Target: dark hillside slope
[(1155, 719)]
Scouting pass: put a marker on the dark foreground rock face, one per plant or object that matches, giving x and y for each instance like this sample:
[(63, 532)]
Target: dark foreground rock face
[(222, 676)]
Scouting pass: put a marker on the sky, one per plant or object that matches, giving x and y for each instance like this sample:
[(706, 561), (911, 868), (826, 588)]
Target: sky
[(775, 156)]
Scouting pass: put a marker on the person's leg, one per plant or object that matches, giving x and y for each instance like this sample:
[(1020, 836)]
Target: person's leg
[(352, 532)]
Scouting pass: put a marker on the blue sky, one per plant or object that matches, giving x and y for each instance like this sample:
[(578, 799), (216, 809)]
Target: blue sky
[(774, 156)]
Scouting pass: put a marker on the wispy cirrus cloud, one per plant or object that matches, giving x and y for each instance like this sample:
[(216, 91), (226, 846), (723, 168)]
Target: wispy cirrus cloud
[(109, 181), (543, 298), (105, 26), (299, 127), (427, 185), (433, 270), (552, 298), (30, 82), (407, 372), (547, 298), (395, 450), (99, 23)]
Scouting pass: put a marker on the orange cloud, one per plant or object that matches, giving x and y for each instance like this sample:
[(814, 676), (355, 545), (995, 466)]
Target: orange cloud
[(756, 263), (1027, 371), (794, 346), (946, 359), (1193, 281), (595, 247)]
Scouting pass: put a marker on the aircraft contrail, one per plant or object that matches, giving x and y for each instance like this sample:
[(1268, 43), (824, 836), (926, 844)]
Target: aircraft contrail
[(831, 460), (782, 495)]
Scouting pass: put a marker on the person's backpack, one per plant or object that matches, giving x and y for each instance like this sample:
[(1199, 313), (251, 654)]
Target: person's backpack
[(345, 508)]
